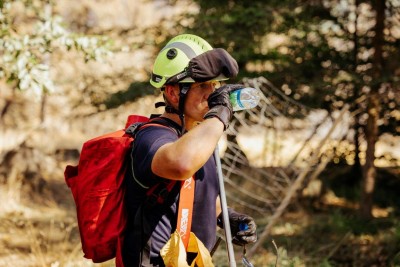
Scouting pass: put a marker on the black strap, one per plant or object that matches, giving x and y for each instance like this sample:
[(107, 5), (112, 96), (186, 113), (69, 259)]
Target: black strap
[(134, 128), (159, 192), (166, 122), (168, 109), (184, 88), (160, 104)]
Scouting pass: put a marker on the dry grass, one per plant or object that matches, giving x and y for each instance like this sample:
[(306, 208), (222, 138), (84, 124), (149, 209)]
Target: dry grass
[(34, 235), (40, 229), (47, 235)]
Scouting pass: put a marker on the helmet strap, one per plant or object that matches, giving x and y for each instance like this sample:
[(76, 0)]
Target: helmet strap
[(168, 107), (183, 90)]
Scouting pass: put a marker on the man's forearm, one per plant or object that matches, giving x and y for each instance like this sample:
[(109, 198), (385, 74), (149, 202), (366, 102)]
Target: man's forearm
[(181, 159)]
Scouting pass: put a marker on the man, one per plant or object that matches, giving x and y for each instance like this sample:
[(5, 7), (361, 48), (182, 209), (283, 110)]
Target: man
[(188, 71)]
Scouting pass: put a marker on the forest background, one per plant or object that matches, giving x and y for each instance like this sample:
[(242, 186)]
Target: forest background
[(71, 70)]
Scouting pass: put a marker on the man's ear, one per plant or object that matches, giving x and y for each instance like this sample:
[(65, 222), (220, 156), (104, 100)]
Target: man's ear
[(172, 93)]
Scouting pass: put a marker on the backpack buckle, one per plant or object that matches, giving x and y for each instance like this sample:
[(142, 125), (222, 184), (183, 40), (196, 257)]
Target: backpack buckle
[(133, 128)]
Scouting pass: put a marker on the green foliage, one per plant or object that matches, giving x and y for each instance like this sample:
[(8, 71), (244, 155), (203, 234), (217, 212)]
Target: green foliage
[(342, 223), (286, 260), (397, 232), (326, 263), (341, 180), (309, 47), (29, 34), (388, 186), (237, 26), (335, 236)]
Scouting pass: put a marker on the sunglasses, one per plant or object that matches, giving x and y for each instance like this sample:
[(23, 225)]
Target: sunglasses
[(207, 85)]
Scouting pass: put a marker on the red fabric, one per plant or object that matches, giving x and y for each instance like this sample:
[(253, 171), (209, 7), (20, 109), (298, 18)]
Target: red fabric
[(118, 258), (96, 185)]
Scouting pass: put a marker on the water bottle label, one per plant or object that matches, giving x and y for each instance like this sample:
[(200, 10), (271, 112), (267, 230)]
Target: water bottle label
[(245, 98), (238, 101)]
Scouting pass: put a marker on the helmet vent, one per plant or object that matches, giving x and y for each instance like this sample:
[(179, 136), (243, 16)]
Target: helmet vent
[(171, 54)]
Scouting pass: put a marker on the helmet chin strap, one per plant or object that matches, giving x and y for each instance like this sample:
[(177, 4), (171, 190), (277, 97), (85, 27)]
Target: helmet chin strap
[(183, 90)]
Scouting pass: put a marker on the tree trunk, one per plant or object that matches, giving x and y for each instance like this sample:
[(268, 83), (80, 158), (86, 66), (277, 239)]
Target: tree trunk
[(356, 169), (369, 174), (371, 131)]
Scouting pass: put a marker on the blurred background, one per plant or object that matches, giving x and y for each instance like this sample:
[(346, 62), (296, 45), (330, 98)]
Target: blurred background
[(316, 163)]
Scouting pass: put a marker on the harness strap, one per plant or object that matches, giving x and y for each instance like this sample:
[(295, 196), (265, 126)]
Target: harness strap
[(185, 210)]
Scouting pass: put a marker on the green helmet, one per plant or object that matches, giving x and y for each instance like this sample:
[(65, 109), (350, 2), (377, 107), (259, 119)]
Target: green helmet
[(175, 56)]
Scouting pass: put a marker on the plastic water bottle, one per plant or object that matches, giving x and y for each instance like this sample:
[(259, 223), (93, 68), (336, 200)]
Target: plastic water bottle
[(244, 98)]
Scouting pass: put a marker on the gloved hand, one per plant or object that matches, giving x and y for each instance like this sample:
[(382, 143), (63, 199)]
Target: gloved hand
[(238, 222), (220, 105)]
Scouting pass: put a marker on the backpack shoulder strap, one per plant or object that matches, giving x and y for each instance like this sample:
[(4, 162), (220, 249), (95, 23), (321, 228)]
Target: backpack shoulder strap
[(134, 128), (157, 193), (167, 123)]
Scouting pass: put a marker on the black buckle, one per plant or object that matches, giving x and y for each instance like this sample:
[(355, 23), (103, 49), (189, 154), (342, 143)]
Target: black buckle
[(133, 128)]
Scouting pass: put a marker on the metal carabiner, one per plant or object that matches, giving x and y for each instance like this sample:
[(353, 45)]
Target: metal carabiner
[(245, 261)]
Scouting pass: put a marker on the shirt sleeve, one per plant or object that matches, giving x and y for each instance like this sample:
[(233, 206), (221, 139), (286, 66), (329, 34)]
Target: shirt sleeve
[(146, 144)]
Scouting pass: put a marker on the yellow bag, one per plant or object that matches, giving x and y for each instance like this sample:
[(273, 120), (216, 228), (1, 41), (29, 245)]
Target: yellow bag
[(174, 253)]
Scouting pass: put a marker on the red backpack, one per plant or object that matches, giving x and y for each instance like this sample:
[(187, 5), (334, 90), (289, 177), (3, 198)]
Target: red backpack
[(98, 190)]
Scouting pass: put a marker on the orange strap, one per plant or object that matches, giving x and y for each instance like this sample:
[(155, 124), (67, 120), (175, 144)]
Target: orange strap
[(185, 210)]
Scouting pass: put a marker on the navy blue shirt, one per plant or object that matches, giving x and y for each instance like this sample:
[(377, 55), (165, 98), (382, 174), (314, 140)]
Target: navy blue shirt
[(159, 222)]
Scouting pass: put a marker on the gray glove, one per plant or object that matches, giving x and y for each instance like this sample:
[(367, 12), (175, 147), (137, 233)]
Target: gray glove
[(220, 105), (243, 227)]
